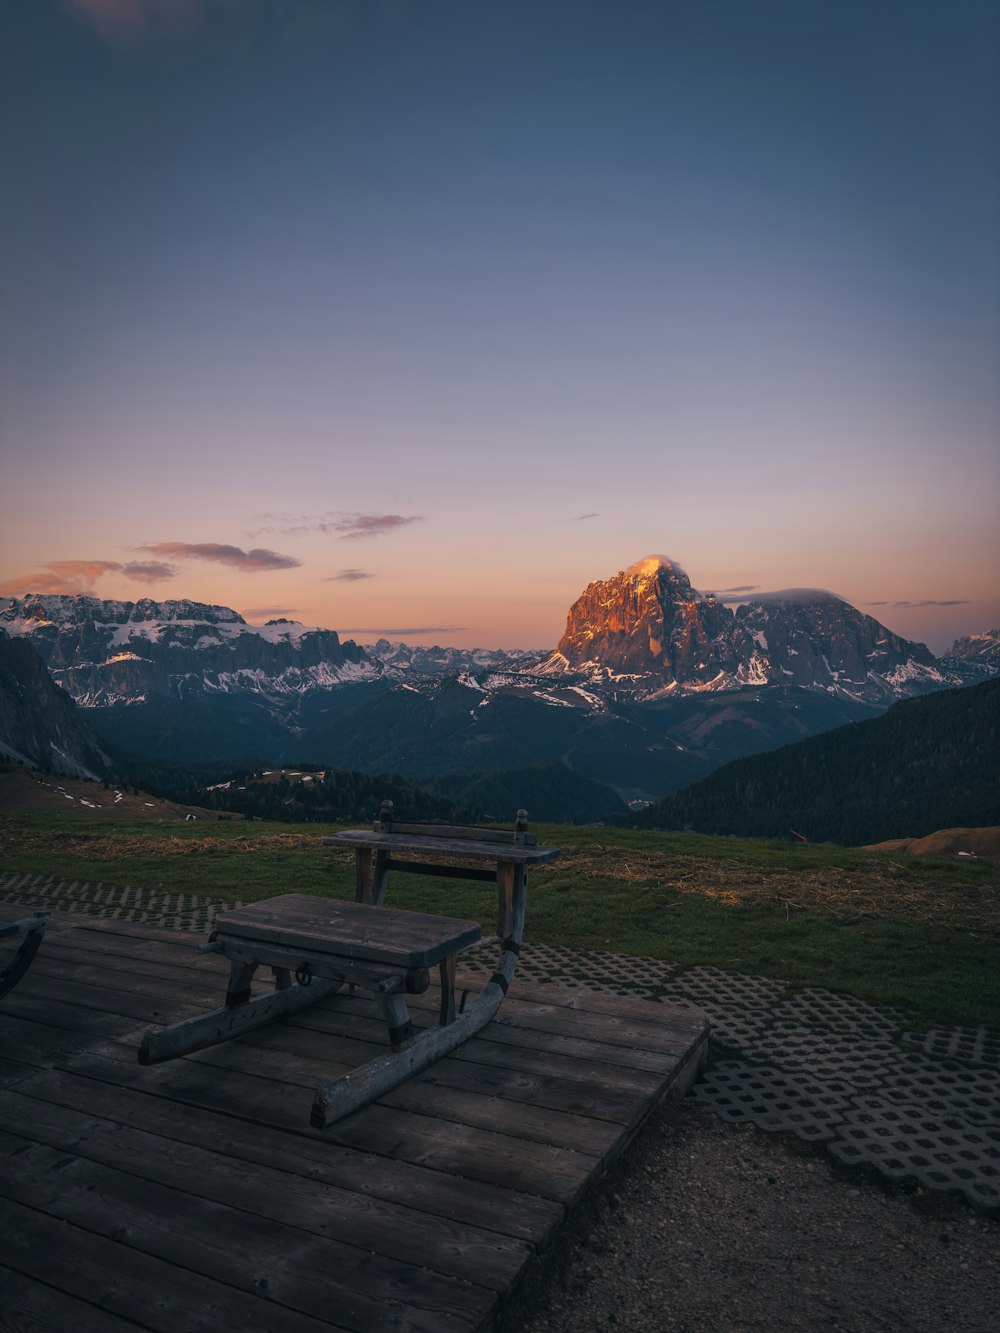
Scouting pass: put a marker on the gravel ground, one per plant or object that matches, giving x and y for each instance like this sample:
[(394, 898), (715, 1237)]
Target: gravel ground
[(707, 1226)]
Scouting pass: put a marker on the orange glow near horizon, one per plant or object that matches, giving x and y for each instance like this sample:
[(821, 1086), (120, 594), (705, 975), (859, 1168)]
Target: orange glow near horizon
[(483, 302)]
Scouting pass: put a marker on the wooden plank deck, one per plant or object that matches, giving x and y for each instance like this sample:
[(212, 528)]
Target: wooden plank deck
[(196, 1196)]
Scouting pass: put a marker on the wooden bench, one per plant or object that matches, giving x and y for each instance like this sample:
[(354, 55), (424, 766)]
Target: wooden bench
[(32, 928), (326, 944)]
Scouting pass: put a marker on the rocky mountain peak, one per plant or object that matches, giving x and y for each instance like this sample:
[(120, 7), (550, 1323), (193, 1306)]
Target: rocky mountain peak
[(648, 628), (984, 647), (656, 565), (646, 619)]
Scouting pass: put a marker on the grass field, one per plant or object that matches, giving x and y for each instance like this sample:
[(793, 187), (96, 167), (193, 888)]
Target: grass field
[(920, 934)]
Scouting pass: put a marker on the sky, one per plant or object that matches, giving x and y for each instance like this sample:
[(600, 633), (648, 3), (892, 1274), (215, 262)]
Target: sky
[(412, 318)]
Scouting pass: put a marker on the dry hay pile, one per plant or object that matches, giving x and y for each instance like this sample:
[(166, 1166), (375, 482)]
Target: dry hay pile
[(116, 846), (876, 888), (984, 842)]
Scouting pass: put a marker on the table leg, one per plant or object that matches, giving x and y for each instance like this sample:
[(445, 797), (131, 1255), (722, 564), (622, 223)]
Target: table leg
[(380, 877), (446, 969), (370, 876), (363, 857)]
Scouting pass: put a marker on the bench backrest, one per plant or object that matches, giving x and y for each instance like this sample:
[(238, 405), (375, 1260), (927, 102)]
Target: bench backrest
[(517, 837)]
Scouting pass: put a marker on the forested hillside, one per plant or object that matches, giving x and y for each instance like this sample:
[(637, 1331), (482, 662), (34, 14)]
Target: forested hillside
[(549, 792), (928, 763), (322, 797)]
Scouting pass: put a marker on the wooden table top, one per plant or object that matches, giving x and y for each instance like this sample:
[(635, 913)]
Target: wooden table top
[(430, 846), (349, 930)]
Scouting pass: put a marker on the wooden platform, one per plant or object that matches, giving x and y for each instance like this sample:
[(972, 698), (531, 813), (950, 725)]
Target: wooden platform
[(195, 1195)]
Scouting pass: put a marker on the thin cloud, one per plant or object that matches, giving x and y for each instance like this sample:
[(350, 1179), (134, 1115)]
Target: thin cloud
[(346, 527), (148, 571), (75, 577), (247, 562), (130, 21), (82, 571), (269, 612), (745, 587), (580, 517), (956, 601), (349, 576), (410, 631), (372, 525)]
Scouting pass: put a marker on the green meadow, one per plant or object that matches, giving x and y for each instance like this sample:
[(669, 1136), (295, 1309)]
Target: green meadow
[(918, 934)]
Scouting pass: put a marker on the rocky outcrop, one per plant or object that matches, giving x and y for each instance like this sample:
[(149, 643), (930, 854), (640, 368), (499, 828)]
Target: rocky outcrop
[(648, 620), (982, 649), (648, 629)]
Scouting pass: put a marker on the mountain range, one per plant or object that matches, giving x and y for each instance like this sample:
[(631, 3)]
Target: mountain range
[(652, 686), (105, 653)]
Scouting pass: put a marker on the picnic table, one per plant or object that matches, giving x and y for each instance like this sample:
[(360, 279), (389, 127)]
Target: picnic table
[(317, 946)]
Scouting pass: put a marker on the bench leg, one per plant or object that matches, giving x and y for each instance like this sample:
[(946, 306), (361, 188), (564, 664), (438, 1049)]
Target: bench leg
[(240, 981)]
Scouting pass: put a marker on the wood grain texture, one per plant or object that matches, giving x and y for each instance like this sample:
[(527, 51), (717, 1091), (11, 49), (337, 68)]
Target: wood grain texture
[(350, 930), (195, 1195)]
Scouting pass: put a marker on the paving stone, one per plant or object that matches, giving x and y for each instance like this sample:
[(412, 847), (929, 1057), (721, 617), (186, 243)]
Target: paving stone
[(710, 985), (978, 1045), (908, 1142), (733, 1028), (176, 911), (825, 1054), (945, 1086), (837, 1013), (774, 1099)]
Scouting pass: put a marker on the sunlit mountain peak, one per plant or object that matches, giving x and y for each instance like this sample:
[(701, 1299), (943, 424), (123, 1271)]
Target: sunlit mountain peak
[(649, 564)]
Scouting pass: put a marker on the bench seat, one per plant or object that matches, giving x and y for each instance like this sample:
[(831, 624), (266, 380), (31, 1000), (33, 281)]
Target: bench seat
[(355, 931)]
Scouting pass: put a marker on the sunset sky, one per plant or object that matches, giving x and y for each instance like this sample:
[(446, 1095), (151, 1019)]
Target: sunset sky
[(414, 317)]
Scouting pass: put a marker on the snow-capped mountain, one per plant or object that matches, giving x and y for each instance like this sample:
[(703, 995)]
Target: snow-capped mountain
[(402, 661), (648, 631), (108, 652), (653, 684), (979, 651)]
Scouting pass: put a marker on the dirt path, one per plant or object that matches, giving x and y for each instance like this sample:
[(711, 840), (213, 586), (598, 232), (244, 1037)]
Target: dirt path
[(710, 1228)]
